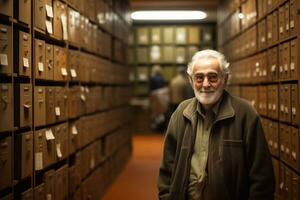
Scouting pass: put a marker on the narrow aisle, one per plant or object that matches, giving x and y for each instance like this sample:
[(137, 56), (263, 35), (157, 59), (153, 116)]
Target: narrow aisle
[(138, 180)]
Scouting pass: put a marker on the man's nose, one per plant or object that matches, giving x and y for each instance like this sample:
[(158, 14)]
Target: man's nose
[(205, 83)]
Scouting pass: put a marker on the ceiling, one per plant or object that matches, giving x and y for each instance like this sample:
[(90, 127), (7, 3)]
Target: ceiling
[(209, 6)]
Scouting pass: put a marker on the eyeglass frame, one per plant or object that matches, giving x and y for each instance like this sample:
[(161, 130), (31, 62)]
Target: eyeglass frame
[(219, 75)]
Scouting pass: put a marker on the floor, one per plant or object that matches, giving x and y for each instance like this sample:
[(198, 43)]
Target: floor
[(138, 180)]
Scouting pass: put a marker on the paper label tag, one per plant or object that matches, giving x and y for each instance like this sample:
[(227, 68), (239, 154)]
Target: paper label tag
[(273, 68), (92, 162), (286, 67), (292, 66), (73, 73), (281, 29), (294, 155), (287, 27), (41, 67), (87, 90), (269, 106), (49, 11), (3, 60), (64, 71), (74, 130), (25, 62), (286, 109), (270, 35), (294, 110), (58, 151), (38, 161), (63, 20), (281, 69), (281, 108), (49, 135), (287, 151), (282, 147), (281, 185), (264, 72), (82, 97), (57, 111), (49, 27), (270, 143), (275, 145), (292, 24), (274, 106)]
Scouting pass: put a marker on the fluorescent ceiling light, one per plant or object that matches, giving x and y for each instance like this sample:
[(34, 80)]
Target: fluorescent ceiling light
[(168, 15)]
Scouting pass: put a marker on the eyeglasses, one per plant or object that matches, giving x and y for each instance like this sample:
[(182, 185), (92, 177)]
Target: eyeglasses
[(212, 77)]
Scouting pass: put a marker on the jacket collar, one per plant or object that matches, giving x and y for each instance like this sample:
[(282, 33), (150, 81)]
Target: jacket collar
[(225, 109)]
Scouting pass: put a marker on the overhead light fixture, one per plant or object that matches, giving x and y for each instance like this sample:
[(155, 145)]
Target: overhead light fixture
[(168, 15)]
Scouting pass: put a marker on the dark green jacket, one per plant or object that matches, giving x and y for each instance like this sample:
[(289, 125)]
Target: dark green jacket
[(239, 162)]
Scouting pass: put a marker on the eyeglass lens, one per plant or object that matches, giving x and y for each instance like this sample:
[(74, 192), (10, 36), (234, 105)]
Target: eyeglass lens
[(212, 77)]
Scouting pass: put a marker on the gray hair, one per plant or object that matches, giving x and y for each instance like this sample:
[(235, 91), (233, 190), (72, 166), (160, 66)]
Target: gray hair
[(208, 53)]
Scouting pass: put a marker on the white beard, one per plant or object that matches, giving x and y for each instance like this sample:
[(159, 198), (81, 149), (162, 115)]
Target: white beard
[(208, 98)]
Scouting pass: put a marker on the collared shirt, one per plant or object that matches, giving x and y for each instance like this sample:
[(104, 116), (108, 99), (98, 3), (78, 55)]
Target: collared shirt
[(198, 173)]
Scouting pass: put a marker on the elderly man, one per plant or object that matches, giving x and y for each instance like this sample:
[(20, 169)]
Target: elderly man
[(214, 146)]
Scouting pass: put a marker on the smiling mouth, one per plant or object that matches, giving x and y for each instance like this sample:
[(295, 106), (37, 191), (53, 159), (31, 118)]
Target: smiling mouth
[(208, 92)]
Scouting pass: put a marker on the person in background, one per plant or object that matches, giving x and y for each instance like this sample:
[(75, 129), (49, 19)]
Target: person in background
[(214, 146), (178, 88), (159, 99), (157, 80)]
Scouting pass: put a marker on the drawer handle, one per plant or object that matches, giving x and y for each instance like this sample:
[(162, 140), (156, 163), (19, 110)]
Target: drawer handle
[(4, 46), (25, 37), (3, 30), (4, 100), (4, 144), (27, 137), (3, 161)]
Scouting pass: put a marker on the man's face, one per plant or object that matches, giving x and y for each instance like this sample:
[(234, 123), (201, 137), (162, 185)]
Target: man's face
[(208, 82)]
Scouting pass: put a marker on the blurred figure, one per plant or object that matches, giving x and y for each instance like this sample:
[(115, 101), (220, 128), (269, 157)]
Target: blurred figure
[(178, 88), (159, 99), (157, 81)]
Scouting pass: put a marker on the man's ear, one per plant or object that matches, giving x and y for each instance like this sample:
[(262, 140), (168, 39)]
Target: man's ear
[(190, 80), (226, 76)]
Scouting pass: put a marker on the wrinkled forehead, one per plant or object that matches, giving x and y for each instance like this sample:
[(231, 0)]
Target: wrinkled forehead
[(205, 65)]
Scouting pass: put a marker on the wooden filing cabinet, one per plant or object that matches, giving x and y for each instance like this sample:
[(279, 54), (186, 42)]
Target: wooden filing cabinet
[(6, 47), (40, 62), (6, 107), (5, 162), (25, 11), (23, 155), (25, 65)]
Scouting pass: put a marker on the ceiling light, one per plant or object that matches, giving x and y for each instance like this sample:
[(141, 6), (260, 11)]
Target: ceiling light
[(168, 15)]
